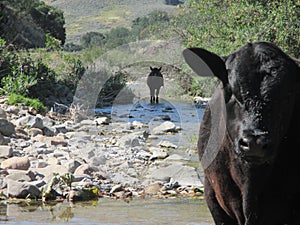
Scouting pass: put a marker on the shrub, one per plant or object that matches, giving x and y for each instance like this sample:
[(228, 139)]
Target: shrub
[(19, 84)]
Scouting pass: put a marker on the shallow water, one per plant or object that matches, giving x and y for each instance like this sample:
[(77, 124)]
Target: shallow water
[(175, 211), (183, 113)]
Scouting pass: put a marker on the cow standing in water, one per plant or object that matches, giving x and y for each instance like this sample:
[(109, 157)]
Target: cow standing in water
[(249, 136), (155, 81)]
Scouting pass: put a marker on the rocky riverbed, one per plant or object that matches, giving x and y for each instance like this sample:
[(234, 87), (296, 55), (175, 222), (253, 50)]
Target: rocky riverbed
[(52, 157)]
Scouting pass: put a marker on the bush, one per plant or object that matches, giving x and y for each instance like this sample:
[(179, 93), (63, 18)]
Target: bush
[(19, 84), (91, 39)]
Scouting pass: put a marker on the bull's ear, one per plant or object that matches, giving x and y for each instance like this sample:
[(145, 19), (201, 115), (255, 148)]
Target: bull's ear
[(205, 63)]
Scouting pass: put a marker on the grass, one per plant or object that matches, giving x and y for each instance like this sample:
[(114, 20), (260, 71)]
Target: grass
[(15, 99)]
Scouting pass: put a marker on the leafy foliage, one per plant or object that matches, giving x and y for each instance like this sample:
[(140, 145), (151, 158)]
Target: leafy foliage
[(224, 26), (18, 84)]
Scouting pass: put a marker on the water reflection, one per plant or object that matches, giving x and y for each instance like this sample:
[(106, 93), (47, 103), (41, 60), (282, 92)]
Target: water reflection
[(108, 211)]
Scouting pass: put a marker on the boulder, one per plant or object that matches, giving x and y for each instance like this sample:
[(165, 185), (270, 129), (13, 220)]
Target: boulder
[(18, 163), (6, 128), (2, 113), (22, 189), (184, 175), (30, 121), (164, 128), (85, 169)]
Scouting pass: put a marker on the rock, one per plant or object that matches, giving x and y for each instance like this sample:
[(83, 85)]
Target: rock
[(99, 160), (5, 151), (35, 131), (143, 155), (2, 140), (48, 122), (176, 157), (153, 188), (18, 163), (164, 127), (129, 140), (85, 169), (48, 131), (88, 123), (167, 144), (21, 175), (116, 188), (137, 124), (84, 194), (59, 141), (72, 165), (158, 153), (22, 189), (61, 128), (39, 145), (35, 122), (124, 178), (49, 171), (6, 128), (184, 175), (12, 109), (2, 113), (30, 121), (102, 120)]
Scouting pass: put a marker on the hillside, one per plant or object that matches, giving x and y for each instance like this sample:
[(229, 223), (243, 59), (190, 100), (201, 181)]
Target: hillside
[(25, 24), (100, 16)]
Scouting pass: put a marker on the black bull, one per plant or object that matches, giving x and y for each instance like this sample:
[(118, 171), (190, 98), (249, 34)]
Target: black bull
[(249, 138)]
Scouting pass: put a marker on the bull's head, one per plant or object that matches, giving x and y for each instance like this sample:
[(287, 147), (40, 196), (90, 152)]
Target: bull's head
[(259, 85)]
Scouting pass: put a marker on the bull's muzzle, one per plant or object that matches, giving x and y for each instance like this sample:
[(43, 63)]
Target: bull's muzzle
[(254, 144)]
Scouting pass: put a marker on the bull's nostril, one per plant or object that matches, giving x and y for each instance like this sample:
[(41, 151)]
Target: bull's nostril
[(244, 143)]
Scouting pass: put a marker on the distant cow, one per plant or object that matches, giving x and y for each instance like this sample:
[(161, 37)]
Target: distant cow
[(249, 139), (155, 81)]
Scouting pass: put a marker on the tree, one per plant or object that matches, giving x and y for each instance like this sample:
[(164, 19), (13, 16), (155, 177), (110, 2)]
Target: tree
[(91, 39)]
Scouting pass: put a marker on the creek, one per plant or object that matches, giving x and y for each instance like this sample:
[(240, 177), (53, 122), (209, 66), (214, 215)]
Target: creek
[(177, 210)]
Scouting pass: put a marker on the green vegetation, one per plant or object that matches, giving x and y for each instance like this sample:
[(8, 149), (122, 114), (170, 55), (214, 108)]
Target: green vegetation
[(15, 99), (38, 74), (224, 26)]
